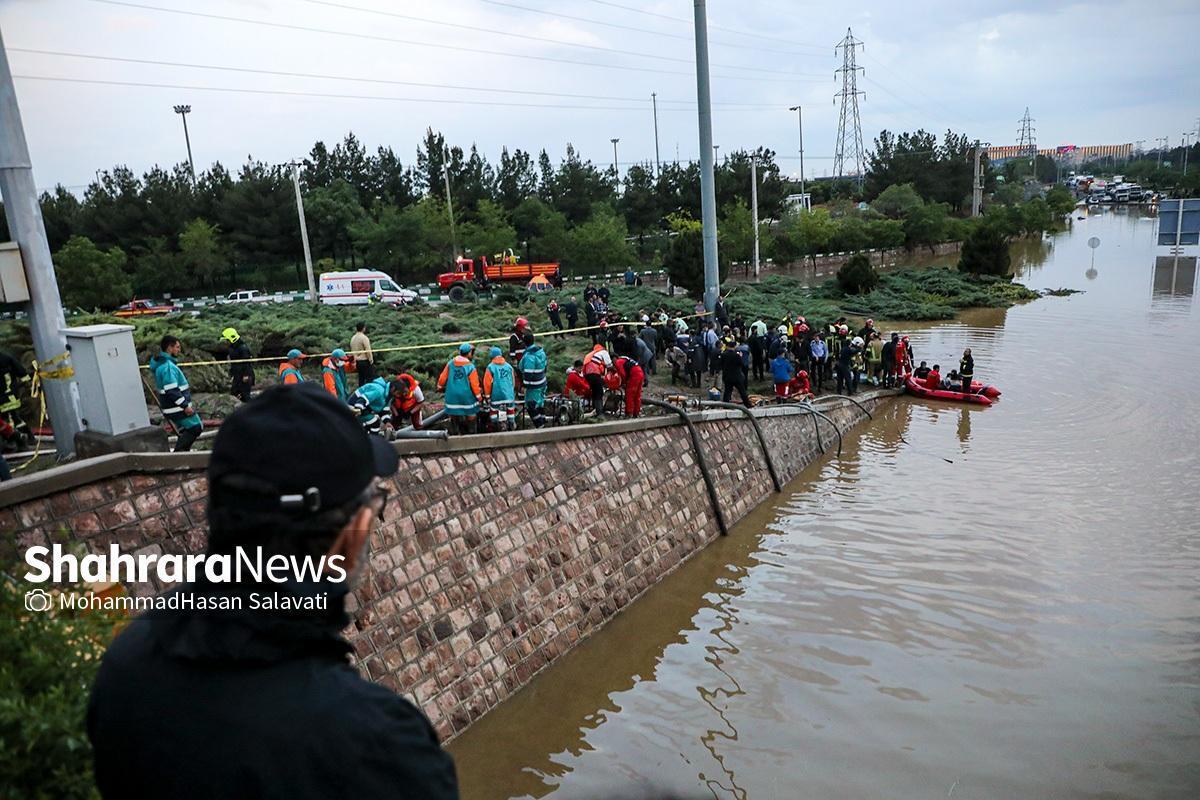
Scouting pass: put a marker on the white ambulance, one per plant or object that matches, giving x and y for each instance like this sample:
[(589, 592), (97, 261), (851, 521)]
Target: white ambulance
[(360, 287)]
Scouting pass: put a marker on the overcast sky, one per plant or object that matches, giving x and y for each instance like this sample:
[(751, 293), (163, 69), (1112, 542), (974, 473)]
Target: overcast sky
[(1091, 73)]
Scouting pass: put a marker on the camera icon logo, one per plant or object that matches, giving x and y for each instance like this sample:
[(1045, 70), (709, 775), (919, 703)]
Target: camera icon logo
[(38, 600)]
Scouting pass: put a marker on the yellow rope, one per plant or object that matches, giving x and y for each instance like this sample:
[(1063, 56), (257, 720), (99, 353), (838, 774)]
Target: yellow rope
[(401, 348), (36, 393)]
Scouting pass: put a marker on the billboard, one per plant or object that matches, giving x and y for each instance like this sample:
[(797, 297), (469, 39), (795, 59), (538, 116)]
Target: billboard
[(1175, 228)]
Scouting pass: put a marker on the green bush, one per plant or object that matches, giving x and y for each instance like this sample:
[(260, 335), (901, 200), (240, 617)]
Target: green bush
[(50, 660), (857, 276)]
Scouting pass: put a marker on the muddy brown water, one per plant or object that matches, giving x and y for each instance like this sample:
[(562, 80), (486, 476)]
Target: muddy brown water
[(1022, 622)]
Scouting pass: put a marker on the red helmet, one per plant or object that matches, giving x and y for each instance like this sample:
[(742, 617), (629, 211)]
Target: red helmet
[(904, 338), (603, 323), (803, 328), (521, 323), (802, 373)]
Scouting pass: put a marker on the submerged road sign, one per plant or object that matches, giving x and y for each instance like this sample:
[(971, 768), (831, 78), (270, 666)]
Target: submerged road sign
[(1175, 228)]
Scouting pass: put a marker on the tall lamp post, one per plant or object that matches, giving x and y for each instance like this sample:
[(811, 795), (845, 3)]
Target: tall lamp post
[(1187, 135), (183, 111), (614, 144), (800, 118)]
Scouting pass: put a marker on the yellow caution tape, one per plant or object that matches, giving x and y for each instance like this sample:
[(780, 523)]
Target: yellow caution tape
[(401, 348)]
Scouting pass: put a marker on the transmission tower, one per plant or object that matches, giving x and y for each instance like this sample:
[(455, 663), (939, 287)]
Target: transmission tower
[(849, 140), (1027, 145)]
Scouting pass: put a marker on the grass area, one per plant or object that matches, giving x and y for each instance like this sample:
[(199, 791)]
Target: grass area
[(272, 329)]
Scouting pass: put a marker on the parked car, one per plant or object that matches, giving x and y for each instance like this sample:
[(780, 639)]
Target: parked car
[(361, 287), (248, 296), (145, 308)]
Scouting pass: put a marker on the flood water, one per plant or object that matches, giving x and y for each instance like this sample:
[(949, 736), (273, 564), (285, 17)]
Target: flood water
[(997, 602)]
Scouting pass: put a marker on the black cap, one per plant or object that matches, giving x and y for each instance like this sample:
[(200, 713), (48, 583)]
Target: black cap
[(295, 448)]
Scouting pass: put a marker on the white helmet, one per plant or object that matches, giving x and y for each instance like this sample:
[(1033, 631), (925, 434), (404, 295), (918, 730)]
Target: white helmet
[(782, 329), (857, 341)]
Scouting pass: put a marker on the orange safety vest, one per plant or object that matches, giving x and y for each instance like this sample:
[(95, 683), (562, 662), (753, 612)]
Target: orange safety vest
[(407, 403)]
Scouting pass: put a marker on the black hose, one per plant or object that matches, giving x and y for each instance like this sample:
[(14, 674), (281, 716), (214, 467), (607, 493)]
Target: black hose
[(831, 422), (852, 400), (700, 459), (762, 440)]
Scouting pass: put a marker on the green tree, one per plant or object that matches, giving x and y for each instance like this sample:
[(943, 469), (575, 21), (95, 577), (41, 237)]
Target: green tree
[(600, 243), (385, 238), (1061, 201), (897, 200), (542, 227), (857, 276), (985, 251), (737, 232), (330, 212), (925, 225), (61, 214), (90, 277), (640, 204), (200, 251), (492, 233)]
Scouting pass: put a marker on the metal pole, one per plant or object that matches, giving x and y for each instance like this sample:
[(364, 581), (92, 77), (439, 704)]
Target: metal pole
[(449, 205), (657, 164), (1186, 144), (183, 111), (25, 225), (616, 172), (708, 192), (977, 186), (754, 207), (312, 283)]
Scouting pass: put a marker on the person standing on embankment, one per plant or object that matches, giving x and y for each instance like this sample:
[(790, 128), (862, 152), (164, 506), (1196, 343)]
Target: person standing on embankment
[(364, 359)]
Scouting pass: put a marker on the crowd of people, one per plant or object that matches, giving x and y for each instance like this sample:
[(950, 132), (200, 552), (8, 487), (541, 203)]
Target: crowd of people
[(486, 392)]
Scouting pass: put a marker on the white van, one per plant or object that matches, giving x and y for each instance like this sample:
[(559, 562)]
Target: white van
[(356, 288)]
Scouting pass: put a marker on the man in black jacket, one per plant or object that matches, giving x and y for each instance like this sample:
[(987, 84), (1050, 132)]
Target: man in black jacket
[(222, 699), (733, 372), (241, 371)]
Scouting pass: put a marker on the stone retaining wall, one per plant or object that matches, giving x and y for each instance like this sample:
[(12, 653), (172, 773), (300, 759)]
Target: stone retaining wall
[(498, 553)]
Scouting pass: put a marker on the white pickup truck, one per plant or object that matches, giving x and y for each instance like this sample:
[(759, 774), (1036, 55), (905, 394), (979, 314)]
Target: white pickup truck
[(248, 296)]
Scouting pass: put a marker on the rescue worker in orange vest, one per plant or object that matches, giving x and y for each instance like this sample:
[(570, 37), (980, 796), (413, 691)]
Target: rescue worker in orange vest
[(289, 371), (460, 381), (333, 374), (407, 399), (596, 365)]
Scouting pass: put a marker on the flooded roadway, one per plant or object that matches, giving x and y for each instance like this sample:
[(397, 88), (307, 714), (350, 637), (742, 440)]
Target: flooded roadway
[(970, 603)]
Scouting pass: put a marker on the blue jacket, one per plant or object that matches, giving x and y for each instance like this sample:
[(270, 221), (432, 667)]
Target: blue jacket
[(533, 367), (818, 349), (373, 395), (498, 383), (174, 394), (781, 369)]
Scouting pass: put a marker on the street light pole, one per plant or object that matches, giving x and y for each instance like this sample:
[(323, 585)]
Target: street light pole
[(183, 111), (616, 171), (800, 118), (312, 283), (1186, 144), (754, 207)]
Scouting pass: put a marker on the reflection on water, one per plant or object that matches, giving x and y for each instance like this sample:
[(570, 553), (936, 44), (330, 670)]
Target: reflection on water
[(1175, 276), (972, 602)]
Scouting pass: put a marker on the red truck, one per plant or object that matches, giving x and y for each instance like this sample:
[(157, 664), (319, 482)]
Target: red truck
[(480, 273)]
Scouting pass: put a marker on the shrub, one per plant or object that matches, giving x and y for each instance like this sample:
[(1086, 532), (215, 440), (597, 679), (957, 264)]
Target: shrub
[(50, 660), (857, 276)]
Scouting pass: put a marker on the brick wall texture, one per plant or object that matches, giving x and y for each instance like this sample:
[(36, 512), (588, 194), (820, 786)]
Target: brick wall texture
[(491, 563)]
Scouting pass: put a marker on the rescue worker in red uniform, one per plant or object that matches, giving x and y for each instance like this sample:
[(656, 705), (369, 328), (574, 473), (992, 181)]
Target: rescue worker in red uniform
[(799, 387), (407, 400), (933, 381), (577, 384), (634, 378), (903, 365)]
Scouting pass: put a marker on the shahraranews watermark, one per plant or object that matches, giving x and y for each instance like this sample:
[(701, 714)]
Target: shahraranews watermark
[(244, 565), (39, 600)]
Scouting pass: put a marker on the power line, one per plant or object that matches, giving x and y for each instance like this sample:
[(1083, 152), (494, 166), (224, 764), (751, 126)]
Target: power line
[(618, 26), (329, 95), (358, 79), (393, 40), (714, 27), (559, 42)]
